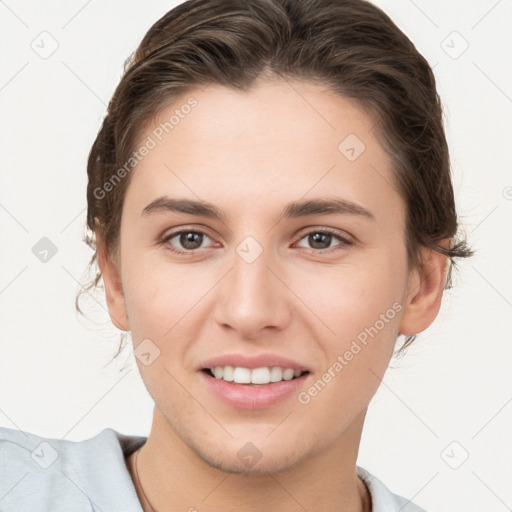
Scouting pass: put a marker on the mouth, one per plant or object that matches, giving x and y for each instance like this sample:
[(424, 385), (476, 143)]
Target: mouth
[(262, 376), (255, 388), (253, 381)]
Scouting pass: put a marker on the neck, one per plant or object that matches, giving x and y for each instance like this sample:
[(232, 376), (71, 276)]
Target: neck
[(175, 478)]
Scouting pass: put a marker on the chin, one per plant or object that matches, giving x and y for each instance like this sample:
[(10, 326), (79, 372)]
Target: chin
[(243, 463), (249, 447), (248, 455)]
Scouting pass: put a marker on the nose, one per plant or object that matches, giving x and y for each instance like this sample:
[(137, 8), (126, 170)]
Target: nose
[(252, 298)]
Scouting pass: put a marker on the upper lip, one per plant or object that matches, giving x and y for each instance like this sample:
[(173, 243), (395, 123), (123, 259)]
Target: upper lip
[(252, 361)]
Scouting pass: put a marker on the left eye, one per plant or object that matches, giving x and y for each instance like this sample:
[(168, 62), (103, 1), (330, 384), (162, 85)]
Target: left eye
[(322, 240)]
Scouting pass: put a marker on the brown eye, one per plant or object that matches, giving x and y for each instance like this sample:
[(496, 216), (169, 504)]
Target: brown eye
[(323, 240), (185, 241), (320, 240)]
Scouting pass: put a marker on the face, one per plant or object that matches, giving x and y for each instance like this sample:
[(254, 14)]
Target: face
[(294, 263)]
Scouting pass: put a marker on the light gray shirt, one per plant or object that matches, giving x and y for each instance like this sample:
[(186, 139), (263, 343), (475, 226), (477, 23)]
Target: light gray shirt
[(55, 475)]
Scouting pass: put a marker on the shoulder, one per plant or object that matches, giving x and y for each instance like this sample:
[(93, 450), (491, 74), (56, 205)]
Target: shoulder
[(383, 500), (38, 473)]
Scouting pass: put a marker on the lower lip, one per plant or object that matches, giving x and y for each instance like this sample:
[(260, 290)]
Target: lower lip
[(253, 396)]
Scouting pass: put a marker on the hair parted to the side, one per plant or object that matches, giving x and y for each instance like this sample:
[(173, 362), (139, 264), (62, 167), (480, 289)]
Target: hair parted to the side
[(350, 47)]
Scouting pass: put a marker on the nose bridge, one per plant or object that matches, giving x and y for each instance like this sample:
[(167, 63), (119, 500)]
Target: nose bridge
[(251, 297)]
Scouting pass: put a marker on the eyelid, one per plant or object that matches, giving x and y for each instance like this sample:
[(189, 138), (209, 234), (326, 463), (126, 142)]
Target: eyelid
[(187, 229), (342, 235)]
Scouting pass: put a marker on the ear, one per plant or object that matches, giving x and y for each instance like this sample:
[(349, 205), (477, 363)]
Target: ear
[(425, 291), (113, 287)]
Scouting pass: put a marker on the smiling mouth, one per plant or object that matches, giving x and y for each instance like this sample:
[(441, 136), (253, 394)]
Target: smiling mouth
[(255, 376)]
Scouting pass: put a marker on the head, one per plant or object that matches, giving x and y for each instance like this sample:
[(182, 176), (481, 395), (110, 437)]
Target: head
[(265, 112)]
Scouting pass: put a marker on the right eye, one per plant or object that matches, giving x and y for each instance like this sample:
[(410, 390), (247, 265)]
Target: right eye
[(187, 241)]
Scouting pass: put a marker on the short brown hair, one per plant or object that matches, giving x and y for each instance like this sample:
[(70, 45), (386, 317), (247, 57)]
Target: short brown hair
[(349, 46)]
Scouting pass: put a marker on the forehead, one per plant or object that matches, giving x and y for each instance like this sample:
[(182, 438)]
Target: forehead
[(281, 139), (299, 111)]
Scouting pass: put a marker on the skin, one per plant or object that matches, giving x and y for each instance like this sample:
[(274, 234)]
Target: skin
[(251, 153)]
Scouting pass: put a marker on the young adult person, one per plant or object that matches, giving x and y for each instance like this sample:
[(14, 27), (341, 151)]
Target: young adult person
[(271, 207)]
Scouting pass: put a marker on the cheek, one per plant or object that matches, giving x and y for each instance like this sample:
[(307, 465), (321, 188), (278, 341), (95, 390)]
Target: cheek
[(166, 302), (349, 299), (154, 308), (154, 296), (363, 309), (357, 357)]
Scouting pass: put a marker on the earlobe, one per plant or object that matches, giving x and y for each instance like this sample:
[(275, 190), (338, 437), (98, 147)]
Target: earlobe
[(113, 287), (425, 293)]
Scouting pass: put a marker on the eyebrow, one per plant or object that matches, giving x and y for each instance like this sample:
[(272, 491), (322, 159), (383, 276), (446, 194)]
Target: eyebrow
[(300, 208)]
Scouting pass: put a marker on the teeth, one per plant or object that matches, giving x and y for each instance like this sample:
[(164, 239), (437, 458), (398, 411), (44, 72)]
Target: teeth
[(263, 375), (218, 372), (288, 374), (242, 375), (260, 376), (227, 373), (276, 374)]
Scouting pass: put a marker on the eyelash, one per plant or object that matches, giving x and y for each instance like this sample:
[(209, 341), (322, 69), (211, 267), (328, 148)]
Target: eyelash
[(343, 241)]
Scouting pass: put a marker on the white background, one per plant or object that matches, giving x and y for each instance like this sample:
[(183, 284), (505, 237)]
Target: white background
[(453, 385)]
